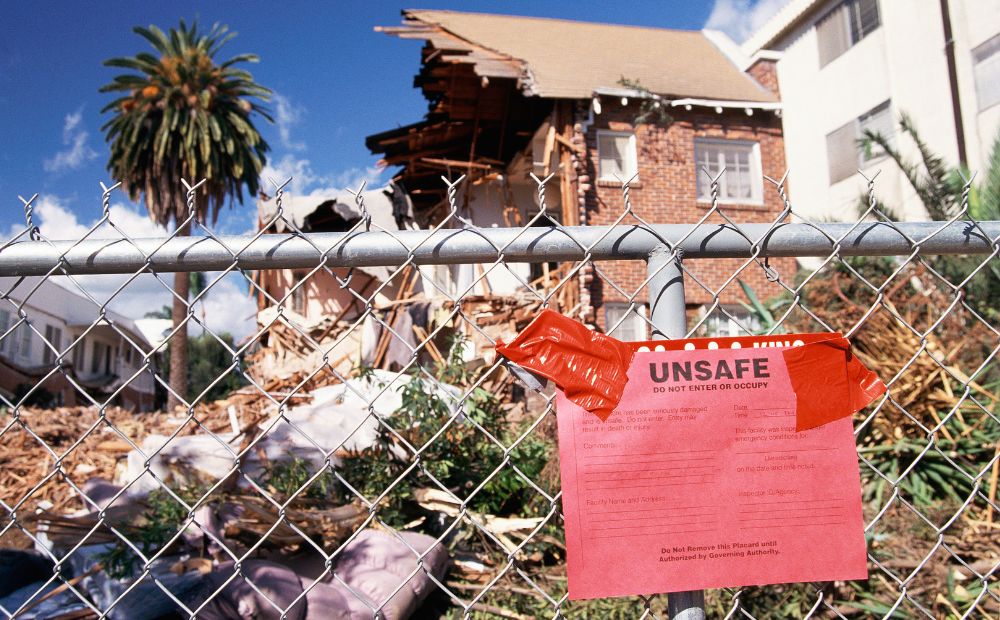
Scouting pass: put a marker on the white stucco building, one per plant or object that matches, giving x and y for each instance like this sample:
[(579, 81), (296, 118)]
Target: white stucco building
[(846, 65), (62, 344)]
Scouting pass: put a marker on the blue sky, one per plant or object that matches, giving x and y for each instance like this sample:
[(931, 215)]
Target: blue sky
[(335, 81)]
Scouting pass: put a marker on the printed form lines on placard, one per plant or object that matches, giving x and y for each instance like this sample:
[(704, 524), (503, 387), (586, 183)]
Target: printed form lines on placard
[(753, 512), (634, 454), (632, 527), (769, 526), (775, 517), (656, 462), (633, 519), (632, 474), (656, 533), (630, 510), (794, 501), (787, 451), (773, 413), (653, 486)]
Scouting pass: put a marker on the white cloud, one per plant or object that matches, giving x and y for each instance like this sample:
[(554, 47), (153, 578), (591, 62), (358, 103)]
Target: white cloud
[(350, 179), (287, 114), (227, 308), (301, 174), (304, 181), (75, 137), (741, 18), (58, 223), (239, 220), (72, 122)]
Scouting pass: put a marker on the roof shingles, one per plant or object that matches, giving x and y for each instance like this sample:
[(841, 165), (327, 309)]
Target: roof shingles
[(571, 60)]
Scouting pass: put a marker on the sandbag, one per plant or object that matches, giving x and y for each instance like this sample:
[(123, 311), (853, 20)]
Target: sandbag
[(374, 565), (275, 593)]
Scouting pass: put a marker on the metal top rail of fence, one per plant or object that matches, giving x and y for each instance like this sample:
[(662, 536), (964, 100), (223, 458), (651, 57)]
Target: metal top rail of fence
[(363, 420)]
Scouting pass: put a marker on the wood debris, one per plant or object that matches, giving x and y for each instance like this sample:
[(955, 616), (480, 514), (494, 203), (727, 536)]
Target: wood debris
[(326, 526)]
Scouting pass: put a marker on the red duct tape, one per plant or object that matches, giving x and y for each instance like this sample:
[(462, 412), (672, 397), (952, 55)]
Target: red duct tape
[(591, 368), (829, 382)]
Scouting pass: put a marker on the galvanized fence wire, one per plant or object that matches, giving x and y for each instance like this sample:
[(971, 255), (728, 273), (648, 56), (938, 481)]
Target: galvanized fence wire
[(466, 456)]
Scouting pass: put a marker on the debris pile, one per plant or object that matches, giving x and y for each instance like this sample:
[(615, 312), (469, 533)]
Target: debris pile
[(265, 510), (412, 327), (297, 436), (930, 449)]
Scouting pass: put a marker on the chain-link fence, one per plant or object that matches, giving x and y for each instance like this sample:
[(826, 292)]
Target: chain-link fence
[(360, 451)]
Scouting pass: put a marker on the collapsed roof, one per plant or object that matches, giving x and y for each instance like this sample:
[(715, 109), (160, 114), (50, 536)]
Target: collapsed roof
[(389, 208), (492, 80), (556, 58)]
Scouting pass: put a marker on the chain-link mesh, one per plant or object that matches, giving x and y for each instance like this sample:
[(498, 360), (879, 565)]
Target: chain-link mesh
[(363, 452)]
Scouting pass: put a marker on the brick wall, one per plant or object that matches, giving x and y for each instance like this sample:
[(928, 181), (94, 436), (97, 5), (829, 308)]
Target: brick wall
[(765, 71), (666, 192)]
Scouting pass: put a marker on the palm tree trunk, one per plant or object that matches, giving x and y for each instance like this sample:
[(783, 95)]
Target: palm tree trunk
[(179, 342)]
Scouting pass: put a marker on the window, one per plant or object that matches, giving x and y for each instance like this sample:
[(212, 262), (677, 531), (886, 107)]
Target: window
[(844, 155), (633, 328), (741, 181), (877, 120), (4, 326), (95, 360), (844, 27), (26, 341), (616, 155), (78, 352), (986, 69), (128, 354), (298, 295), (53, 336), (731, 321)]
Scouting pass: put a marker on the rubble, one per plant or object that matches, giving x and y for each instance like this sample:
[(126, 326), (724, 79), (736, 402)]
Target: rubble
[(114, 459)]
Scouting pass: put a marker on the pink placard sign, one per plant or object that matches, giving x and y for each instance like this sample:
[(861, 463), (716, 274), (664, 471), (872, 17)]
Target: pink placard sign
[(698, 479)]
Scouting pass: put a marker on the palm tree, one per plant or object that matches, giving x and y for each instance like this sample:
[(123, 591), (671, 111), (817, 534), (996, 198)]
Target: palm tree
[(941, 189), (182, 116)]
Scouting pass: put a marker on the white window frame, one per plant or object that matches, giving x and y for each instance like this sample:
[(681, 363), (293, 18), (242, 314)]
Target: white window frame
[(53, 340), (880, 120), (986, 72), (843, 20), (630, 162), (634, 328), (880, 116), (703, 180), (730, 321)]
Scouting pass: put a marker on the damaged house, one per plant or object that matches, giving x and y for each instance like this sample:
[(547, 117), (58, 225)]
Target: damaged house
[(318, 303), (67, 346), (510, 96)]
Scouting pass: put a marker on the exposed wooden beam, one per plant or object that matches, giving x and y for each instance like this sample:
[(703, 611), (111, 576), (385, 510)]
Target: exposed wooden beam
[(569, 144), (550, 143), (452, 163)]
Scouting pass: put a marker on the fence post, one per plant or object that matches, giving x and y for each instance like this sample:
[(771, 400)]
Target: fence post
[(669, 318)]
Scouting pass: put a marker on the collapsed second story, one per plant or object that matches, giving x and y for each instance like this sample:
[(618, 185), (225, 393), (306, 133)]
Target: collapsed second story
[(587, 106)]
